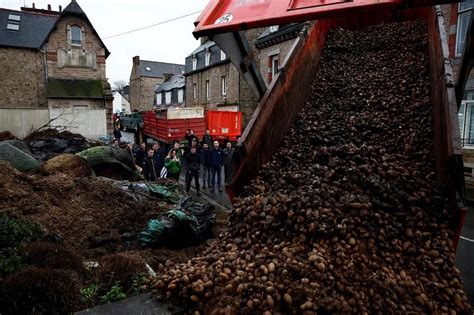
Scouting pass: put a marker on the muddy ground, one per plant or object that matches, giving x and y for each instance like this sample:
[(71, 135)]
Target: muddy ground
[(94, 217)]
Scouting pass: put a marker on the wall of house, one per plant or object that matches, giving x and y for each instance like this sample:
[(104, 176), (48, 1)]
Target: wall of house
[(21, 121), (265, 54), (22, 78), (86, 117), (71, 62)]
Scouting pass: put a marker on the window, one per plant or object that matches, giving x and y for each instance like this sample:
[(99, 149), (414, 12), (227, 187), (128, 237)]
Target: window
[(223, 55), (223, 86), (464, 16), (76, 35), (168, 98), (466, 123), (195, 96), (13, 23), (208, 94), (208, 58), (274, 66), (195, 61), (13, 27), (180, 96), (159, 99), (273, 28)]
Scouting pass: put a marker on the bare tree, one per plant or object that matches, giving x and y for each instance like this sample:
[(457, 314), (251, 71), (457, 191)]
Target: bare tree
[(118, 86)]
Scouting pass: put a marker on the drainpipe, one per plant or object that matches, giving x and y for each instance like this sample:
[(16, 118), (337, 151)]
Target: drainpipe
[(45, 61)]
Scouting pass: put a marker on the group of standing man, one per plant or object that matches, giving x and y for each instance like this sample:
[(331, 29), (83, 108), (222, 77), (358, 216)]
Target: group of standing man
[(205, 155)]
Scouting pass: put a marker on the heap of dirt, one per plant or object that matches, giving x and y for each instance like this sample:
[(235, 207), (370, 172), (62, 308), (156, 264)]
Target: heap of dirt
[(48, 143), (68, 164), (6, 135), (91, 214)]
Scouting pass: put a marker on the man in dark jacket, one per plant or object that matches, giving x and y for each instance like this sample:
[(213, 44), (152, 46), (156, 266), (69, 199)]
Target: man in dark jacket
[(140, 154), (194, 165), (228, 152), (207, 139), (159, 156), (217, 160), (206, 165), (150, 169)]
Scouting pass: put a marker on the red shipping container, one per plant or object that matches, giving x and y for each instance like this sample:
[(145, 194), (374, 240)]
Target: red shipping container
[(224, 124), (158, 126)]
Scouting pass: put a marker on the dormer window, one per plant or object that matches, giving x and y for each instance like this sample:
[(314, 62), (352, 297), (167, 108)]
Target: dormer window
[(195, 61), (76, 35), (13, 23), (223, 56)]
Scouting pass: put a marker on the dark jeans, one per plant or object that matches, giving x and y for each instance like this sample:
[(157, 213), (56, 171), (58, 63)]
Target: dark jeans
[(173, 176), (216, 171), (189, 178), (206, 175), (227, 173)]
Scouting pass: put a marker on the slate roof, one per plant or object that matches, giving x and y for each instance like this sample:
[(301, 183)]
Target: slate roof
[(284, 33), (207, 44), (175, 82), (74, 89), (158, 69), (35, 28)]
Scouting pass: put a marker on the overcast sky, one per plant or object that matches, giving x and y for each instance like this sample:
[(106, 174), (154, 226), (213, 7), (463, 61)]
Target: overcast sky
[(170, 42)]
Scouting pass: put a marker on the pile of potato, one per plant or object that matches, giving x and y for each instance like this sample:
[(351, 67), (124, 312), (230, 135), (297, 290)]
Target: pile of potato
[(348, 216)]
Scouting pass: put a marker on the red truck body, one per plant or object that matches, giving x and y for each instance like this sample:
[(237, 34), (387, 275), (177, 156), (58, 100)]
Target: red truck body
[(158, 126), (223, 125)]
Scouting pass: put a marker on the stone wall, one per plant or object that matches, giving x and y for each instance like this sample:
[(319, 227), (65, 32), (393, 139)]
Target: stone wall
[(66, 61), (22, 77), (265, 55)]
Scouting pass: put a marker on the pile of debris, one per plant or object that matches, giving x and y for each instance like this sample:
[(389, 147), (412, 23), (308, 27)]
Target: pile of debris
[(348, 216)]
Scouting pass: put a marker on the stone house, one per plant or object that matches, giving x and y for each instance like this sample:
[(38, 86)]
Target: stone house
[(53, 64), (121, 103), (145, 77), (213, 82), (171, 92), (273, 46)]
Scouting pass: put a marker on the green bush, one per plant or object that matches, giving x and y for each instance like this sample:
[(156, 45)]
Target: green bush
[(115, 294), (89, 294), (15, 233)]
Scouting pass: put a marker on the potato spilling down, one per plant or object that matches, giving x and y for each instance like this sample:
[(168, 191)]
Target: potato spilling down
[(348, 216)]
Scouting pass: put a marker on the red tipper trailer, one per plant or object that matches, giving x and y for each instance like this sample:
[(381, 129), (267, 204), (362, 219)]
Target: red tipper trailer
[(171, 124), (224, 124)]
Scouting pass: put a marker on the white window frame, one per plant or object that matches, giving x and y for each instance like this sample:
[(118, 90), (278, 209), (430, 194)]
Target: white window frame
[(207, 57), (13, 27), (195, 61), (462, 34), (159, 99), (223, 86), (223, 55), (195, 91), (168, 97), (208, 90), (80, 35), (273, 28), (464, 116), (180, 96), (274, 69)]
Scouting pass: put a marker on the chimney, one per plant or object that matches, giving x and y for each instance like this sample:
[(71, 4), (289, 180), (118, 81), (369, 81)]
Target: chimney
[(34, 7), (60, 8), (49, 7), (136, 60)]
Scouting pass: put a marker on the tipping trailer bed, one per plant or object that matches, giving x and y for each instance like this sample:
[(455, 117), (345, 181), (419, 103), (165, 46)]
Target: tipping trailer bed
[(286, 95)]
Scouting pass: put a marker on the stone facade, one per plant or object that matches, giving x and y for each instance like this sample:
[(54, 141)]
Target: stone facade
[(142, 92), (66, 61), (23, 78), (47, 54), (266, 54)]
